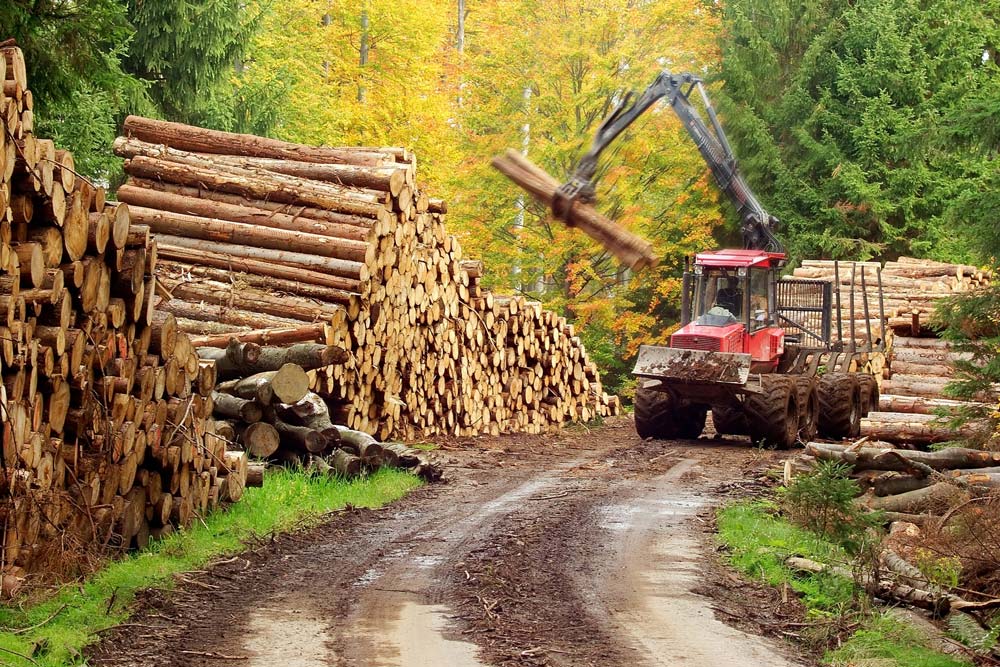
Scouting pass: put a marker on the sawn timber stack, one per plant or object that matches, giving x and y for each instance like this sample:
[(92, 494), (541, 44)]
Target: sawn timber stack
[(107, 430), (277, 243)]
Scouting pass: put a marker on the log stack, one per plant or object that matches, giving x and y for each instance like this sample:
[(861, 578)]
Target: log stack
[(265, 404), (913, 408), (911, 287), (107, 436), (278, 243)]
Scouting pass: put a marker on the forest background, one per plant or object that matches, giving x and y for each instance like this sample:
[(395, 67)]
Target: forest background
[(871, 129)]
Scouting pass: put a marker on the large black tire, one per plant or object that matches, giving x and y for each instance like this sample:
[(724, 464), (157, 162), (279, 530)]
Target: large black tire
[(808, 408), (869, 393), (773, 414), (729, 420), (657, 415), (839, 405)]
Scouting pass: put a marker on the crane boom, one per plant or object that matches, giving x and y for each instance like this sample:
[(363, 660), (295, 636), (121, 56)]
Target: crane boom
[(756, 224)]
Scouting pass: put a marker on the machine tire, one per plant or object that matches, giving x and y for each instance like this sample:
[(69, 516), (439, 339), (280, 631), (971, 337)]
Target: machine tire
[(773, 414), (808, 408), (869, 393), (729, 420), (840, 405), (657, 415)]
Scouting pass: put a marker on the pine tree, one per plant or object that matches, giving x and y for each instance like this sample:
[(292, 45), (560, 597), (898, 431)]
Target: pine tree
[(842, 114), (192, 55)]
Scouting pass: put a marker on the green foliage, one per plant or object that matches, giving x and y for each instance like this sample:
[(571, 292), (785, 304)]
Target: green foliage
[(73, 53), (759, 540), (972, 323), (891, 643), (191, 53), (846, 118), (823, 502), (288, 500)]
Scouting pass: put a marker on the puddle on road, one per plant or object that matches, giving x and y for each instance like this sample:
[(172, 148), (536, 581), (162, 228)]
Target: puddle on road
[(415, 639), (287, 637)]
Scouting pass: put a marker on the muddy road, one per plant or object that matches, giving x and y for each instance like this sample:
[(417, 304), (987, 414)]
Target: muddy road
[(580, 548)]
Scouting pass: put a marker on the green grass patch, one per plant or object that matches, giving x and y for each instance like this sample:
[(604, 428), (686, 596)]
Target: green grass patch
[(759, 540), (70, 619), (424, 446)]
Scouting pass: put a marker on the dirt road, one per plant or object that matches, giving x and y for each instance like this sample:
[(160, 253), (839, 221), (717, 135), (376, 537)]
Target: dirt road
[(585, 548)]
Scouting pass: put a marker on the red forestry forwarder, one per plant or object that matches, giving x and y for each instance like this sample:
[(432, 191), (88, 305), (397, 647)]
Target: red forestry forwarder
[(756, 350)]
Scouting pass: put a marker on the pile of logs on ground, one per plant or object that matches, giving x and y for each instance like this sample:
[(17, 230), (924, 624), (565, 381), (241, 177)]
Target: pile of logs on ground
[(277, 243), (263, 402), (107, 435), (912, 408), (912, 482), (910, 287), (917, 493)]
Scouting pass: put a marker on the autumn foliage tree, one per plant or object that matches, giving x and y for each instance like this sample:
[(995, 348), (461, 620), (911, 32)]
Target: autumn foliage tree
[(541, 76)]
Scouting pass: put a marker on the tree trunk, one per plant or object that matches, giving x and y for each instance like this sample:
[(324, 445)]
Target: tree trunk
[(288, 384), (305, 333)]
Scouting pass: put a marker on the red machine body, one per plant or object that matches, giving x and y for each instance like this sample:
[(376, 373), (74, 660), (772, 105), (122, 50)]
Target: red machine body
[(747, 331)]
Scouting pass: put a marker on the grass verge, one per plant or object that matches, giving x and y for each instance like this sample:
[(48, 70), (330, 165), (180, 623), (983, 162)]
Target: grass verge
[(759, 540), (53, 632)]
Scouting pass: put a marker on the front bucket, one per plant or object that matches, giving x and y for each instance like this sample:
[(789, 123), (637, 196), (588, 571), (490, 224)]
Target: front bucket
[(692, 365)]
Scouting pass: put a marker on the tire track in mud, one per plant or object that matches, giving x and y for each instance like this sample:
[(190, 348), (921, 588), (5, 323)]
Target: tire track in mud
[(539, 552)]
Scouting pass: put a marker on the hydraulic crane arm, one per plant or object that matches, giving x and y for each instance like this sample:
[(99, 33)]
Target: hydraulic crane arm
[(756, 224)]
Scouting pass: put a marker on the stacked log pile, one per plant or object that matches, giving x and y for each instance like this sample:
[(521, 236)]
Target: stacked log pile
[(264, 403), (912, 408), (911, 287), (277, 243), (107, 436)]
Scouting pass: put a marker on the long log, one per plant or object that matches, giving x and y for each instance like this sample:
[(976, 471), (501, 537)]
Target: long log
[(209, 264), (630, 249), (254, 300), (223, 314), (872, 458), (301, 334), (270, 283), (224, 231), (190, 138), (923, 405), (255, 185), (390, 178), (935, 498), (295, 211), (915, 428), (207, 208), (235, 253)]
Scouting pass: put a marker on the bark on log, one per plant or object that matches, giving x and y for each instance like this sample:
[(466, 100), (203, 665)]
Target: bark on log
[(190, 138), (390, 178), (915, 428), (236, 253), (236, 408), (871, 458), (923, 405), (241, 213), (284, 189), (255, 301), (306, 333), (295, 211), (270, 283), (256, 236), (935, 499), (630, 249)]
